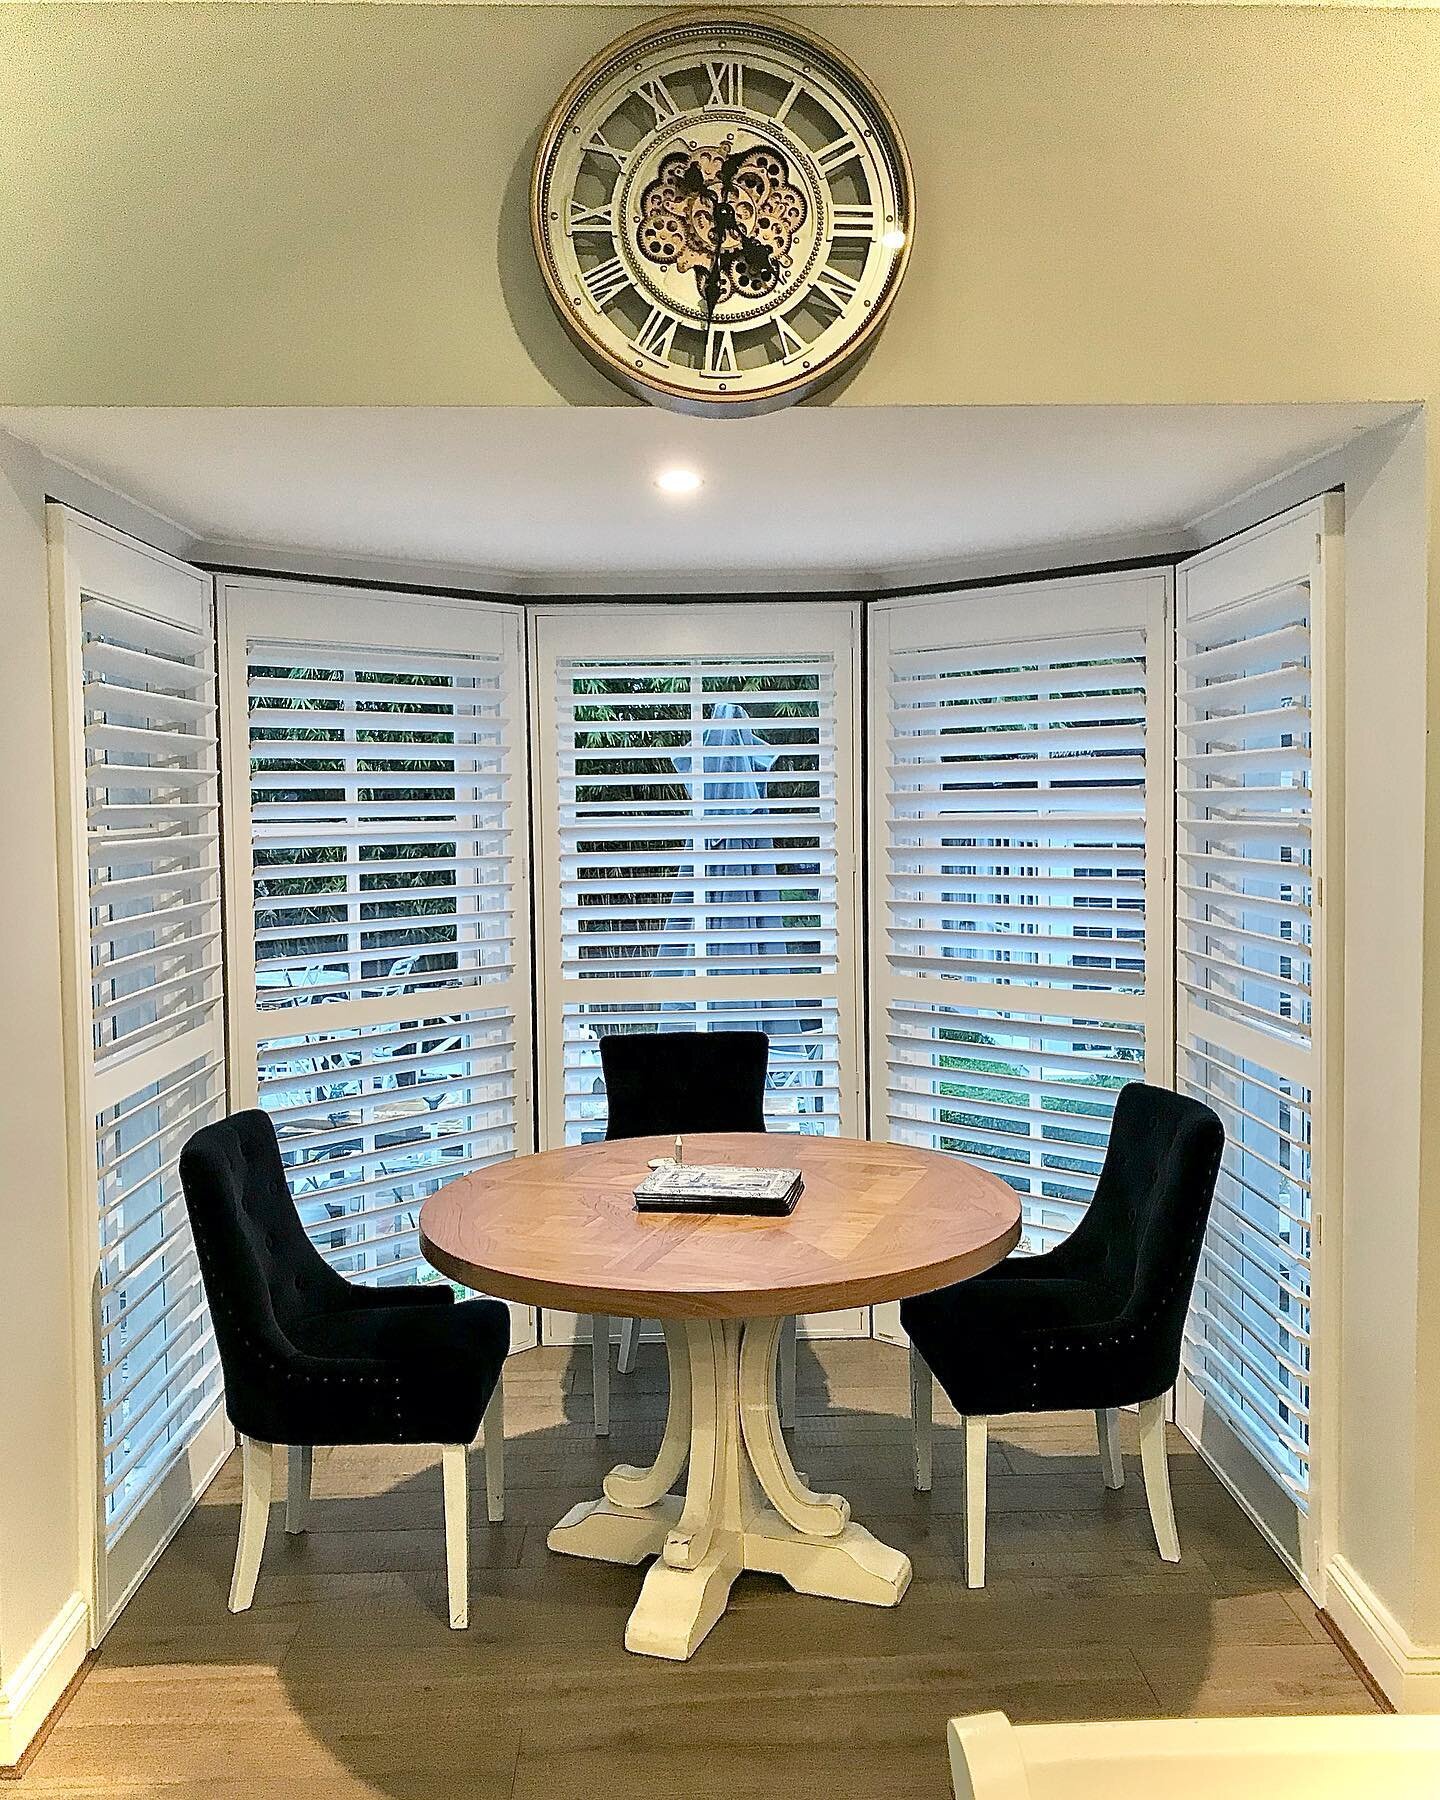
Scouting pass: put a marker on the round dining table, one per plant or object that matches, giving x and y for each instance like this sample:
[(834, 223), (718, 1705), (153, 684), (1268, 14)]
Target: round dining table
[(874, 1222)]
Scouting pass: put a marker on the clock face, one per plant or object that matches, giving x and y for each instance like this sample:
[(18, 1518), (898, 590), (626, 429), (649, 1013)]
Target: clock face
[(722, 212)]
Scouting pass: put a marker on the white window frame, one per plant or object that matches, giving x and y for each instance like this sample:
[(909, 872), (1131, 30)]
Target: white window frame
[(1303, 544), (255, 609), (682, 628), (1005, 614), (89, 559)]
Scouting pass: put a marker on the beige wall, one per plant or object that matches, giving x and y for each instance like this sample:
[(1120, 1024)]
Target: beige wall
[(1383, 1494), (288, 204), (273, 204)]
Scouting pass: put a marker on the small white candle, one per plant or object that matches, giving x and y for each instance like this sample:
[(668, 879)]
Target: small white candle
[(679, 1151)]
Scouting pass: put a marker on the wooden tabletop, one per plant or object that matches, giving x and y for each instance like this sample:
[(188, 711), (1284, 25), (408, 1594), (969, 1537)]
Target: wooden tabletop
[(875, 1222)]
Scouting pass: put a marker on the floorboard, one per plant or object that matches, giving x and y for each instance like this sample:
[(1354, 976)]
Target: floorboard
[(344, 1680)]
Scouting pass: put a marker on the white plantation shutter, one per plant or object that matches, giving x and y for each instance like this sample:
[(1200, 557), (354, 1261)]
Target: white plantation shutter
[(695, 880), (137, 717), (382, 980), (1249, 826), (1021, 781)]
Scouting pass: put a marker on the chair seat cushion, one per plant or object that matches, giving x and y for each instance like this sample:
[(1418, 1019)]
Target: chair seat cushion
[(1011, 1343), (377, 1373)]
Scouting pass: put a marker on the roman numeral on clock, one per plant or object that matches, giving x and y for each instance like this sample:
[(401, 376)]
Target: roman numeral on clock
[(656, 337), (727, 83), (791, 342), (591, 218), (656, 96), (797, 88), (597, 144), (606, 281), (834, 155), (853, 221), (834, 289), (720, 351)]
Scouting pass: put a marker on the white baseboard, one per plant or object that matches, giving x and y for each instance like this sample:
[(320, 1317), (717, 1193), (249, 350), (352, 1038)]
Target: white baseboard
[(41, 1677), (1408, 1673)]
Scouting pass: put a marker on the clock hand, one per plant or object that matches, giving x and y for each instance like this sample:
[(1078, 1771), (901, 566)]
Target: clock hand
[(724, 221), (712, 274)]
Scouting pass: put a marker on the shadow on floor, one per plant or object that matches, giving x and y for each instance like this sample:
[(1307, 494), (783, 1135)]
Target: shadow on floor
[(345, 1680)]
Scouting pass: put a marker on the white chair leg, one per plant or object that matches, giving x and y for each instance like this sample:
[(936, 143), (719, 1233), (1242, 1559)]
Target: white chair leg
[(257, 1483), (922, 1419), (1107, 1430), (629, 1344), (297, 1488), (600, 1374), (1156, 1465), (787, 1370), (975, 1453), (493, 1427), (455, 1474)]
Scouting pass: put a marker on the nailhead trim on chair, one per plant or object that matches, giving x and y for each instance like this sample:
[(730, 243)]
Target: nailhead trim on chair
[(293, 1376), (1076, 1339)]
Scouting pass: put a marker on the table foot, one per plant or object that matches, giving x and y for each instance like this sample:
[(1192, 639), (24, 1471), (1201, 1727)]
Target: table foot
[(745, 1505), (853, 1566), (608, 1533), (677, 1607)]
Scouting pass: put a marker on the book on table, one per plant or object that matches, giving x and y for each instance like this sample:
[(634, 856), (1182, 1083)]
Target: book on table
[(717, 1187)]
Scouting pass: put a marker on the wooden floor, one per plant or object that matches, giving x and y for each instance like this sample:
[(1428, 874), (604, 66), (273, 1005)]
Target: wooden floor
[(345, 1680)]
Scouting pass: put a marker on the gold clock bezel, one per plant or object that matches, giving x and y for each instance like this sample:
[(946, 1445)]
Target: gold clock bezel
[(655, 388)]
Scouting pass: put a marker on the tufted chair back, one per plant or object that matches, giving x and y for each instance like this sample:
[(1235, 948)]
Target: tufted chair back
[(684, 1081), (262, 1274), (1139, 1241)]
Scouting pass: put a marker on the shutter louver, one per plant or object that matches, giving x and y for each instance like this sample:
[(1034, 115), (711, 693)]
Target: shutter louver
[(1245, 915), (1014, 989), (696, 806)]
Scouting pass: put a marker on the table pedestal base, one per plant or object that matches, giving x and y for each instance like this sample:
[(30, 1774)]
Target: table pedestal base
[(745, 1506)]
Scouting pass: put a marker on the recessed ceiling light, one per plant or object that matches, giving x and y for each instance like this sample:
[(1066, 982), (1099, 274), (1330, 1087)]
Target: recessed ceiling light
[(894, 239), (677, 481)]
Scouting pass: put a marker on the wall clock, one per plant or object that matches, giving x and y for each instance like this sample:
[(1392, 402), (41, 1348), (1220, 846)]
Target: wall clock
[(722, 209)]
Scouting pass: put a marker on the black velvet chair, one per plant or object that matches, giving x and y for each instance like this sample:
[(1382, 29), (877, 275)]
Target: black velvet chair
[(680, 1082), (310, 1358), (684, 1081), (1095, 1323)]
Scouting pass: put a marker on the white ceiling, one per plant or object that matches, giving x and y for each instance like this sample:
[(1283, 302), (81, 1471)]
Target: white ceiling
[(525, 497)]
